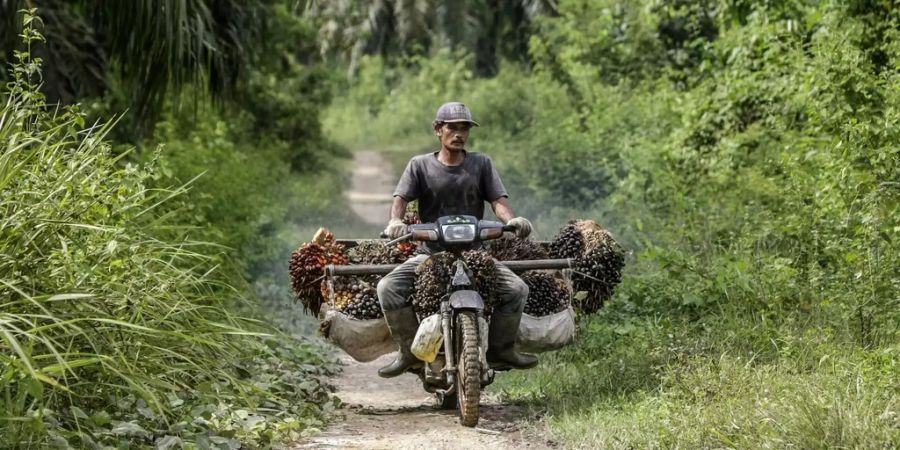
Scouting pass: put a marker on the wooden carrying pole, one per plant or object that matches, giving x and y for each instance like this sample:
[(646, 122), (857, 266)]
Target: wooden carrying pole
[(384, 269)]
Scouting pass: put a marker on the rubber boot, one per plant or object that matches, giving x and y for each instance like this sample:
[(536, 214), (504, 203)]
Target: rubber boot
[(403, 325), (502, 340)]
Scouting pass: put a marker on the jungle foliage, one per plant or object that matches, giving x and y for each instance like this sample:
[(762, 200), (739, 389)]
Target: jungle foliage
[(146, 48), (131, 278), (746, 153), (490, 30)]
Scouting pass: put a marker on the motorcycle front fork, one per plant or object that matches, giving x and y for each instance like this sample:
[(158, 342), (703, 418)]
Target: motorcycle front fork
[(449, 351)]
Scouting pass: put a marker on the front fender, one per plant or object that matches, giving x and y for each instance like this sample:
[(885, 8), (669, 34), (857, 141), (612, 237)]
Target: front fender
[(466, 300)]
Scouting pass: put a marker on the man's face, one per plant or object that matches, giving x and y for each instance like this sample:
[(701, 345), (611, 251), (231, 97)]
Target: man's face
[(454, 135)]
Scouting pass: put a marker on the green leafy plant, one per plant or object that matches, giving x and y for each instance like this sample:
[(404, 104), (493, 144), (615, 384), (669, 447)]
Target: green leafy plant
[(115, 325)]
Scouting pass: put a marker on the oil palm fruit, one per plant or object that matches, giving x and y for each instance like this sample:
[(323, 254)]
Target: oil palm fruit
[(307, 268), (432, 279), (548, 293), (512, 248), (599, 261), (569, 243)]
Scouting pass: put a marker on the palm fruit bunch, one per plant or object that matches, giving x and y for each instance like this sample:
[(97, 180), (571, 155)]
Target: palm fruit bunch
[(307, 268), (568, 243), (434, 274), (370, 252), (484, 274), (432, 279), (512, 248), (377, 252), (598, 267), (548, 293), (403, 251), (411, 217), (353, 297)]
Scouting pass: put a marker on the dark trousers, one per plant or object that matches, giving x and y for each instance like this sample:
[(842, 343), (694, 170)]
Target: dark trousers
[(395, 288)]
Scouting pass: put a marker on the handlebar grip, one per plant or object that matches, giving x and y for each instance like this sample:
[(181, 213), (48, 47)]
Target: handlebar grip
[(509, 228), (383, 235)]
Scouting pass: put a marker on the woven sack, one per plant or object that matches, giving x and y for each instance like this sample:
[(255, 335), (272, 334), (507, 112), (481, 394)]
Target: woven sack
[(546, 333), (363, 340)]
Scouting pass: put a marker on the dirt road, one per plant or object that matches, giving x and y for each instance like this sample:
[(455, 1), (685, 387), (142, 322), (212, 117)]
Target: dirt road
[(373, 183), (397, 413)]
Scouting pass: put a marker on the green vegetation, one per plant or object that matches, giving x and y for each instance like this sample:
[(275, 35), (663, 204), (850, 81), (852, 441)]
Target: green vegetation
[(131, 279), (747, 156), (744, 152), (148, 49)]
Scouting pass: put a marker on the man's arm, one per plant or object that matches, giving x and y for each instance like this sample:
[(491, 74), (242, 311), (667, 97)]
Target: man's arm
[(502, 209), (398, 208), (396, 227), (504, 212), (407, 188)]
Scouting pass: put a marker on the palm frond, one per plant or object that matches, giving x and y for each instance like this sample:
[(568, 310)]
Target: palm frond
[(150, 45)]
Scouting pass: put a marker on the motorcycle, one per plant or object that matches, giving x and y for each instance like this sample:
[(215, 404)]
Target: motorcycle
[(461, 370)]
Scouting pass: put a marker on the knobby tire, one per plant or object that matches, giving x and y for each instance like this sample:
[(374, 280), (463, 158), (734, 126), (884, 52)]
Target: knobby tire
[(468, 378)]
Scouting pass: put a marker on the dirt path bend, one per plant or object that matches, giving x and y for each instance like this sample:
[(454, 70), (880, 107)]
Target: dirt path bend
[(397, 413)]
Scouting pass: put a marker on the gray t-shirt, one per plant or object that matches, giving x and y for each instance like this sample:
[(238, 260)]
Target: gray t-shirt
[(447, 190)]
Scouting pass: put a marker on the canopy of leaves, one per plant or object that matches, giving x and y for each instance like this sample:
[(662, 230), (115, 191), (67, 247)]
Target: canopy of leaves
[(490, 29), (147, 46)]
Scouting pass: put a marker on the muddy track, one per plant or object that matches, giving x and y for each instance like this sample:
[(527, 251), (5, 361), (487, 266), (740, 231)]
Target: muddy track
[(397, 413)]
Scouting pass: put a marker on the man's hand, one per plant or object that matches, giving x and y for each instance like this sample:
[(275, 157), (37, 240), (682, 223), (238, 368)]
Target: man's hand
[(395, 228), (522, 225)]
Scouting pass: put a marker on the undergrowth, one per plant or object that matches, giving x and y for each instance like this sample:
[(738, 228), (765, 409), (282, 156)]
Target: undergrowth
[(116, 325)]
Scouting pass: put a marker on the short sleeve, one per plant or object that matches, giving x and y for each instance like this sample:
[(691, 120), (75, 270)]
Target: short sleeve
[(408, 186), (490, 179)]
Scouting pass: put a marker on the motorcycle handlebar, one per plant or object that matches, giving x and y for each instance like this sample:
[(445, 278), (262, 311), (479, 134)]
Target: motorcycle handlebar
[(383, 235), (509, 228)]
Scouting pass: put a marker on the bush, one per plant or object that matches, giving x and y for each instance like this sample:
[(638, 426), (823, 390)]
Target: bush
[(115, 324)]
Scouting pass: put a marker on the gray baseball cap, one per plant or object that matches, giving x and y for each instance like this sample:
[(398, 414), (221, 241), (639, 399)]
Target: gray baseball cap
[(454, 112)]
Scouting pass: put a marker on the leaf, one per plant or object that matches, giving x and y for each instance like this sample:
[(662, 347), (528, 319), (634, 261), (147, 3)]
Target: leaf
[(58, 297), (100, 418), (129, 429), (174, 401), (34, 387), (78, 413), (146, 412), (168, 442)]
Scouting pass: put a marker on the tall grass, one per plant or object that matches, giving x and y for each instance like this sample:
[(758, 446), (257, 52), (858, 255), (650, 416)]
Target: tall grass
[(114, 324)]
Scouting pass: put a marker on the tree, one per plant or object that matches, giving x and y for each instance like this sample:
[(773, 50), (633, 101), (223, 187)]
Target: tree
[(148, 46), (491, 29)]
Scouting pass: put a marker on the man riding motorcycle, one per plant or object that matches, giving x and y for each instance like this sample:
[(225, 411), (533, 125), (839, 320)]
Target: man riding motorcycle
[(452, 181)]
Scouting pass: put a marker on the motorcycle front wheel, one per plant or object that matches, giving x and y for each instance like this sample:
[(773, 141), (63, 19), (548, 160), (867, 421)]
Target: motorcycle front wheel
[(468, 379)]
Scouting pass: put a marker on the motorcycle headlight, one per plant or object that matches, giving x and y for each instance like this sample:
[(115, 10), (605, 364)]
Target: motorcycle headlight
[(459, 233)]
